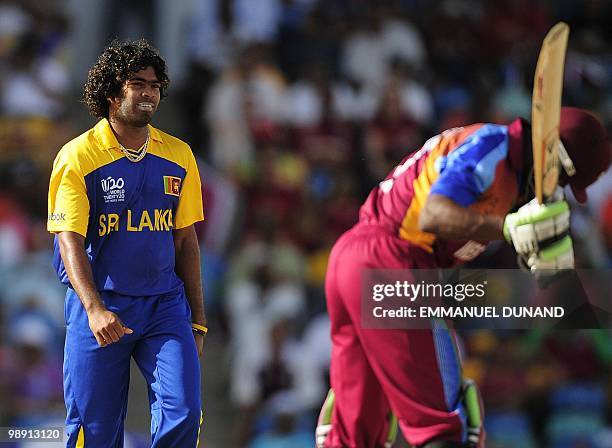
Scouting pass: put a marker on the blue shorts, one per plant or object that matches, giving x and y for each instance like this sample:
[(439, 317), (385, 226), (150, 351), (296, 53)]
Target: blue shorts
[(96, 379)]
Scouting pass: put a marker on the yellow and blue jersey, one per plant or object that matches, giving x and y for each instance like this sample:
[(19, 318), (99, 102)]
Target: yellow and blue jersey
[(125, 210)]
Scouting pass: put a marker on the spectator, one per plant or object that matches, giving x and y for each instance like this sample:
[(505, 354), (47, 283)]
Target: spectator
[(35, 85), (38, 392), (389, 134)]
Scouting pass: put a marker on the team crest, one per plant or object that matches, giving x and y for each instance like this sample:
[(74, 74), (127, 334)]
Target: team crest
[(172, 185)]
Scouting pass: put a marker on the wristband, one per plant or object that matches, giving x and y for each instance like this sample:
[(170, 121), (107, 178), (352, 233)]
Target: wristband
[(199, 329)]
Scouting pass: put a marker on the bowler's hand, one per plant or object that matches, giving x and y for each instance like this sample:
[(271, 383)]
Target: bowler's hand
[(106, 326), (199, 341)]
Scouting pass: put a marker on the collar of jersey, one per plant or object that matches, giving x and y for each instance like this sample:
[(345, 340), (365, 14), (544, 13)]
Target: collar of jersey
[(106, 137)]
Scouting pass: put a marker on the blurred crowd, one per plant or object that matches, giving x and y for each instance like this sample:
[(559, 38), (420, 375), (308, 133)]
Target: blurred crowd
[(296, 109)]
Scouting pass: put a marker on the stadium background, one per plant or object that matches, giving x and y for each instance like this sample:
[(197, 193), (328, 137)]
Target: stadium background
[(295, 108)]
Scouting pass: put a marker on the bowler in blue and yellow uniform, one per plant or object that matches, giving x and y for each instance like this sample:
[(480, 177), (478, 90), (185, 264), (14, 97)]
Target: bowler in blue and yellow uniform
[(125, 246)]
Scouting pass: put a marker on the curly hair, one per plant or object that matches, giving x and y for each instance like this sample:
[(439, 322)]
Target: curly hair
[(115, 65)]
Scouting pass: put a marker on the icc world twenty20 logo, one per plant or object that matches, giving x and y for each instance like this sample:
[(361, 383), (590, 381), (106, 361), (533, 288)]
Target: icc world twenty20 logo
[(113, 189), (109, 184)]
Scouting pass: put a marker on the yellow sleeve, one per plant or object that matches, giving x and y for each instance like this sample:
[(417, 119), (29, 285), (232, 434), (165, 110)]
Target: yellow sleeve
[(190, 209), (68, 202)]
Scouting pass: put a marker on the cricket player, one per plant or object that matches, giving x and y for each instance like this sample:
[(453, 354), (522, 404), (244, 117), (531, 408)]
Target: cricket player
[(123, 198), (437, 209)]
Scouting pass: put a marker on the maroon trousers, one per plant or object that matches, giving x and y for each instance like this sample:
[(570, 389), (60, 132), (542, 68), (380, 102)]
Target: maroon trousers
[(415, 373)]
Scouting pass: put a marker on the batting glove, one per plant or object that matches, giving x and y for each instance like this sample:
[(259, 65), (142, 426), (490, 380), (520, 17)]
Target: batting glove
[(534, 224), (556, 257), (324, 424)]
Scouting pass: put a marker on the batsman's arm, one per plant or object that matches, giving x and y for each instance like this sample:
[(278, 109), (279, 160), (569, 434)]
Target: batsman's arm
[(537, 232), (187, 267), (105, 325), (446, 219)]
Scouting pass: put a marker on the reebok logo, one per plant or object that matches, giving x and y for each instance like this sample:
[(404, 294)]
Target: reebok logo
[(469, 251), (56, 217)]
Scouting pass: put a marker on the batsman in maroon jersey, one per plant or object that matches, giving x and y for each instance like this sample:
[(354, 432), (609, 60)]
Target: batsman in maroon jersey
[(438, 208)]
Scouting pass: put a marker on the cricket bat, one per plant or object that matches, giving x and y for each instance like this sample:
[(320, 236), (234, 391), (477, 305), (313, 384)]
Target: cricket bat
[(546, 111)]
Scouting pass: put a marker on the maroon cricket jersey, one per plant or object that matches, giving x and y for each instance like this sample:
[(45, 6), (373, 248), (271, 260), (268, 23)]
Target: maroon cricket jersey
[(476, 166)]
